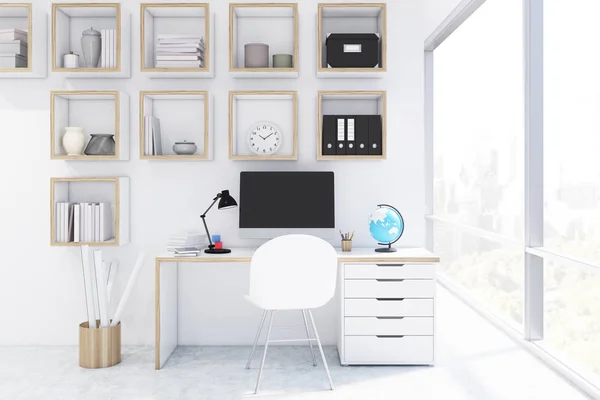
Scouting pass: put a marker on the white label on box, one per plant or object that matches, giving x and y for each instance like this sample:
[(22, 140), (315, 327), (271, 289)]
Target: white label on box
[(350, 128), (341, 129), (353, 48)]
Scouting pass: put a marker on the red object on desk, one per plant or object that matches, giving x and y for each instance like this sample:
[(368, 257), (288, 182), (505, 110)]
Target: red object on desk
[(218, 245)]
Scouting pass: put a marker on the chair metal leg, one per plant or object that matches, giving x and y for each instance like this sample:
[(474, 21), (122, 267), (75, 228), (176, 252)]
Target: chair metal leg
[(264, 357), (312, 351), (312, 321), (260, 327)]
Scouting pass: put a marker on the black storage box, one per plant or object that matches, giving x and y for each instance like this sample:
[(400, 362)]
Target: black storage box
[(353, 50)]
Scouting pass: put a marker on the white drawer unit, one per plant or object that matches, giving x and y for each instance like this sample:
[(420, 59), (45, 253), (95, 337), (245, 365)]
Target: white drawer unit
[(388, 308), (389, 326), (383, 289), (387, 313), (389, 271), (395, 350)]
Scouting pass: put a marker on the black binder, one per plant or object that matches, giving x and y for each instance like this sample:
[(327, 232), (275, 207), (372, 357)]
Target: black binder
[(375, 135), (351, 135), (340, 135), (361, 130), (329, 139)]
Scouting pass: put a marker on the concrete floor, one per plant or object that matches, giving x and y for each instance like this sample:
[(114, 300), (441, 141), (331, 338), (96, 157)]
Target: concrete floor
[(474, 361)]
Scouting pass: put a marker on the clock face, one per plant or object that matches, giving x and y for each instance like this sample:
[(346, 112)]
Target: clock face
[(265, 139)]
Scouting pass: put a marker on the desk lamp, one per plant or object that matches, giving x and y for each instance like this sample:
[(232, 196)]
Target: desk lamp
[(225, 202)]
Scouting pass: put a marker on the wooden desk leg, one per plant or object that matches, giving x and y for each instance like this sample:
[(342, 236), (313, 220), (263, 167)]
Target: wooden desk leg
[(166, 311)]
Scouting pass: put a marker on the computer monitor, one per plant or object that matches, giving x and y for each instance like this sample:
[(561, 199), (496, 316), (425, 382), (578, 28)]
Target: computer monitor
[(280, 203)]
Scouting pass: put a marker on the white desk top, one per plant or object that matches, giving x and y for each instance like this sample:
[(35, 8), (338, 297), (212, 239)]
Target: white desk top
[(356, 255)]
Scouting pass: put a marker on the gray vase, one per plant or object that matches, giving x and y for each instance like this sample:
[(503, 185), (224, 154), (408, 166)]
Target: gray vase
[(256, 55), (101, 144), (91, 46)]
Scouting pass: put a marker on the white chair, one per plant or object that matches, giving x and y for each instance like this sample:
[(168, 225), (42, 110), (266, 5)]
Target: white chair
[(293, 272)]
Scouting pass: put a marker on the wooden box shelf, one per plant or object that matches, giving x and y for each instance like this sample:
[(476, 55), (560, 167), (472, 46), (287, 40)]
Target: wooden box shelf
[(69, 20), (184, 116), (274, 24), (175, 19), (33, 20), (249, 108), (351, 18), (104, 112), (111, 190), (349, 103)]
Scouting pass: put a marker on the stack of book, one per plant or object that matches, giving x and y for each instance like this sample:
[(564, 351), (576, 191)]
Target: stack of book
[(187, 245), (13, 48), (152, 136), (108, 57), (83, 222), (180, 51)]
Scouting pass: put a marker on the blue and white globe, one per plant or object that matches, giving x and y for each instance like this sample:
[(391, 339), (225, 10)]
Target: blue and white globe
[(386, 224)]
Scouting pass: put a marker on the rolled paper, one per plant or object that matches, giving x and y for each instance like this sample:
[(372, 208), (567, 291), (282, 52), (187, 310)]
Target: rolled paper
[(128, 289)]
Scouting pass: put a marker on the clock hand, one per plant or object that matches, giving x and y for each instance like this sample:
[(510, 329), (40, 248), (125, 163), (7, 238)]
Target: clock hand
[(262, 137), (269, 136)]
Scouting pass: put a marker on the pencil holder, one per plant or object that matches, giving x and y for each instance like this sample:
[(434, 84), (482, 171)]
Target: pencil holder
[(346, 245), (99, 347)]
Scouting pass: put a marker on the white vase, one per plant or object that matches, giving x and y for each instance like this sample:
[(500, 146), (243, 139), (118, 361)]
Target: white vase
[(73, 140)]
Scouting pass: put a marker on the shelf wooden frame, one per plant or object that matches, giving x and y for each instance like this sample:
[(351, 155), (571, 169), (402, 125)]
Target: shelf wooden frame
[(123, 65), (346, 94), (121, 124), (232, 126), (121, 210), (323, 72), (206, 72), (238, 72), (29, 8), (207, 137)]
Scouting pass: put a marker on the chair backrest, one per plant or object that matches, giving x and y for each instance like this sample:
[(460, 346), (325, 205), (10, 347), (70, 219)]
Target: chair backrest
[(293, 272)]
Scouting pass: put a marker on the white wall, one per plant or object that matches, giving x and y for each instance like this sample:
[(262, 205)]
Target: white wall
[(41, 298), (435, 12)]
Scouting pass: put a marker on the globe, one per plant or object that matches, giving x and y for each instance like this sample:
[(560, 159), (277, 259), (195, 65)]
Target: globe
[(386, 225)]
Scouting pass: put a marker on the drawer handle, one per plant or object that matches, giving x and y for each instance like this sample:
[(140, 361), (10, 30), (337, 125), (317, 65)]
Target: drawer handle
[(389, 280), (380, 299), (390, 265), (390, 336), (389, 317)]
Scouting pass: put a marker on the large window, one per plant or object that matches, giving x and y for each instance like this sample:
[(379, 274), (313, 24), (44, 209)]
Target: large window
[(527, 253)]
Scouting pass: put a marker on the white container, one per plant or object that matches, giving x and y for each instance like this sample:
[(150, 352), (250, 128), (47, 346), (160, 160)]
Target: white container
[(73, 140), (71, 61)]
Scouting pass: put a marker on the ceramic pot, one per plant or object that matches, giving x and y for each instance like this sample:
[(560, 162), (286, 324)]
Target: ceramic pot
[(91, 46), (256, 55), (185, 148), (73, 140), (101, 144), (283, 61), (71, 60)]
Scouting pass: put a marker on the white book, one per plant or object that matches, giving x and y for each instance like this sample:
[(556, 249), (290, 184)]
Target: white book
[(58, 222), (178, 47), (97, 223), (156, 136), (178, 58), (106, 222), (12, 47), (101, 288), (65, 222), (82, 222), (76, 222), (114, 48), (71, 224), (102, 48), (179, 64), (13, 34), (147, 136), (88, 223)]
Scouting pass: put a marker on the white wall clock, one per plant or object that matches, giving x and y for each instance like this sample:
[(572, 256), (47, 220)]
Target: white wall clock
[(265, 139)]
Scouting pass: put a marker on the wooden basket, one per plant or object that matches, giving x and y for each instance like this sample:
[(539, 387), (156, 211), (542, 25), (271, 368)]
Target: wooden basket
[(99, 347)]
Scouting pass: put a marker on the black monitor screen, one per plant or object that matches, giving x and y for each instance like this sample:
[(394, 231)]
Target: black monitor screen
[(287, 200)]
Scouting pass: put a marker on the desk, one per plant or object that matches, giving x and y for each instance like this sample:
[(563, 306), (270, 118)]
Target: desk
[(166, 288)]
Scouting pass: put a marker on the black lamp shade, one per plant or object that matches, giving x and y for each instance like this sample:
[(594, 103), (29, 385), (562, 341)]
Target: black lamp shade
[(226, 201)]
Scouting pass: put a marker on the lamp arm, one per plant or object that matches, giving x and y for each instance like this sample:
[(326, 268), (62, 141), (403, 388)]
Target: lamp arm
[(203, 216)]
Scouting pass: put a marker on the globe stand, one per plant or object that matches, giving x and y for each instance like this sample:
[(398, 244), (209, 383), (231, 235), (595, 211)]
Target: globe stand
[(388, 249)]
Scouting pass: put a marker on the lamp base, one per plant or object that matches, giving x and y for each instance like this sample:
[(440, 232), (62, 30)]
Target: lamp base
[(217, 251)]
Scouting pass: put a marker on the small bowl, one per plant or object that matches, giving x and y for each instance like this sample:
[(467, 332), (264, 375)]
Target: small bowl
[(185, 148)]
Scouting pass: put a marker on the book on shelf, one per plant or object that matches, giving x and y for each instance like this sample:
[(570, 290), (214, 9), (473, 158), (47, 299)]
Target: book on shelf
[(13, 61), (179, 64), (179, 57), (179, 51), (83, 222), (152, 136), (12, 47), (13, 34), (108, 46)]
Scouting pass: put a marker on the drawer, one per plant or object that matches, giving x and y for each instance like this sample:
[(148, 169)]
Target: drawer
[(388, 308), (373, 289), (389, 271), (418, 326), (412, 350)]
